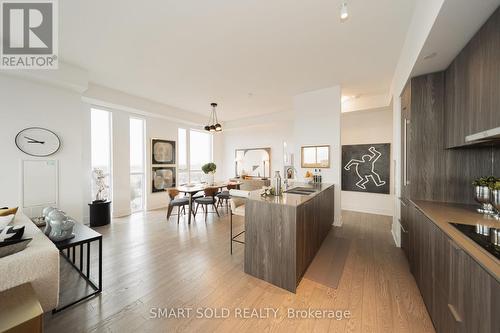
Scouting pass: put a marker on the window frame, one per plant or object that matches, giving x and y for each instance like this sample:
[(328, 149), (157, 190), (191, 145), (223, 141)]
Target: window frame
[(144, 163)]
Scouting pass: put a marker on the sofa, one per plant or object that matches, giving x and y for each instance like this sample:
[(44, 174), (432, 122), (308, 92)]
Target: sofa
[(38, 263)]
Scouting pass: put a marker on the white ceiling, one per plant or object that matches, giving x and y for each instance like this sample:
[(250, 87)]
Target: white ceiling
[(249, 56), (457, 22)]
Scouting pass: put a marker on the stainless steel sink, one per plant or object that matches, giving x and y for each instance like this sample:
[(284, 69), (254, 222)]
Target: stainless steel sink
[(301, 190)]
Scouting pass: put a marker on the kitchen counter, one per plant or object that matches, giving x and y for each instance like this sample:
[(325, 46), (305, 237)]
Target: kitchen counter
[(443, 213), (290, 199), (284, 233)]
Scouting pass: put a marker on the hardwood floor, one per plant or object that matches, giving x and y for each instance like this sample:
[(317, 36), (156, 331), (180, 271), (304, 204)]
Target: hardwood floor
[(150, 263)]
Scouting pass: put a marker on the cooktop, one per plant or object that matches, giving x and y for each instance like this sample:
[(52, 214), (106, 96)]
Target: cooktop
[(481, 235)]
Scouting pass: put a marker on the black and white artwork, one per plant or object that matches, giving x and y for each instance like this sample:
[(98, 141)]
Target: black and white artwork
[(366, 168), (162, 151), (162, 178)]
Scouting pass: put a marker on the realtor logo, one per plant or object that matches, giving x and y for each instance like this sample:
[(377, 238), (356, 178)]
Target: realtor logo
[(29, 34)]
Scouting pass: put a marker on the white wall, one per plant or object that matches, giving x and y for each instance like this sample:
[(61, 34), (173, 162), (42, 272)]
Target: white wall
[(317, 121), (63, 107), (25, 104), (270, 134), (364, 127)]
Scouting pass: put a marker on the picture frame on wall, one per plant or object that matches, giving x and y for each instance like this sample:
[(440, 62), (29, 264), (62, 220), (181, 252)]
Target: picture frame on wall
[(162, 178), (366, 168), (162, 152)]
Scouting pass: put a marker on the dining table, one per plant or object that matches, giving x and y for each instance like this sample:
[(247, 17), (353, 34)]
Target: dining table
[(192, 189)]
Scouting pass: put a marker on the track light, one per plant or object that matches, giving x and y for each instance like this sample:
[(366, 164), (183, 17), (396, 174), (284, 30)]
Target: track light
[(344, 14)]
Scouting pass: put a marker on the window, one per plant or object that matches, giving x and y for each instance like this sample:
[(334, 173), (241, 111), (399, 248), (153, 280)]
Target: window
[(183, 175), (137, 174), (315, 157), (200, 152), (195, 149), (100, 136)]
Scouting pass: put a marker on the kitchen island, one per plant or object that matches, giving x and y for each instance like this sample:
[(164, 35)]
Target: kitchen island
[(284, 233)]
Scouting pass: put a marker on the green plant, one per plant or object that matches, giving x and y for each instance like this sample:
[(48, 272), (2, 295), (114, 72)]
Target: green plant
[(486, 181), (496, 185), (209, 168)]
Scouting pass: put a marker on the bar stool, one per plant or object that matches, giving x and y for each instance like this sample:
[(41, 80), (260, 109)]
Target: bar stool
[(176, 202), (225, 196), (237, 207), (207, 200)]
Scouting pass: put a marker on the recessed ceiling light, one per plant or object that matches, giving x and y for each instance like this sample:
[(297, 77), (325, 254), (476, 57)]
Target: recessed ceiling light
[(430, 56), (344, 14)]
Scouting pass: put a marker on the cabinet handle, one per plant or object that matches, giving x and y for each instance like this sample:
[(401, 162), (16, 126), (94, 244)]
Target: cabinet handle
[(454, 313), (405, 157), (403, 228)]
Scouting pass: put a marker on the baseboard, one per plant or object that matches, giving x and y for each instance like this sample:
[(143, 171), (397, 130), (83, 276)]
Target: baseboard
[(122, 213), (157, 207), (395, 239)]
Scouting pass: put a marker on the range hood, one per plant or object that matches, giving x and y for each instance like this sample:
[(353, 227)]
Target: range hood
[(484, 136)]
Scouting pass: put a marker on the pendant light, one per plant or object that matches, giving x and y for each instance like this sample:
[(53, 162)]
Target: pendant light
[(344, 13), (213, 122)]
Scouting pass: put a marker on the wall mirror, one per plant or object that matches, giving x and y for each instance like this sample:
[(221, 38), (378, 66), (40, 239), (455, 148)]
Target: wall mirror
[(315, 156), (253, 162)]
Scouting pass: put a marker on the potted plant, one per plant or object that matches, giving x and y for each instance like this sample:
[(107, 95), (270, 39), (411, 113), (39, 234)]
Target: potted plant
[(209, 170), (482, 193), (495, 196)]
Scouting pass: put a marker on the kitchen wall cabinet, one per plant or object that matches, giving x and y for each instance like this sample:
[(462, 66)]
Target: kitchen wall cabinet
[(459, 294), (472, 85), (433, 172), (405, 137)]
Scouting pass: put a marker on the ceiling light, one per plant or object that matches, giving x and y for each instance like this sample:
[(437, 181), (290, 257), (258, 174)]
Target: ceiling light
[(345, 99), (213, 123), (344, 14), (430, 56)]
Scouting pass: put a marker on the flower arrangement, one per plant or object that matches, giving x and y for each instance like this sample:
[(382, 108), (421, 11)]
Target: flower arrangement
[(268, 191)]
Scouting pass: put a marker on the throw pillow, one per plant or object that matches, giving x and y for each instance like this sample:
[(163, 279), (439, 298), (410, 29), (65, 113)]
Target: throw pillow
[(5, 220), (8, 211)]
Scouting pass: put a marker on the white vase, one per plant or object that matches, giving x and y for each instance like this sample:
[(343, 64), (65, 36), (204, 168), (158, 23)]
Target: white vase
[(210, 178)]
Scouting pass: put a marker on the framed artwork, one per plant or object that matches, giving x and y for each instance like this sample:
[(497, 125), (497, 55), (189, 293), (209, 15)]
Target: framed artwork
[(253, 162), (162, 151), (162, 178), (315, 156), (366, 168)]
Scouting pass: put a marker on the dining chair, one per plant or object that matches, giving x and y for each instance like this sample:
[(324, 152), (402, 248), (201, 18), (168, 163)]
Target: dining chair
[(207, 200), (176, 202), (237, 207), (224, 196)]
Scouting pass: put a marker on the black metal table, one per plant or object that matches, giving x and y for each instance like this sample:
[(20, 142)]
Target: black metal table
[(83, 236)]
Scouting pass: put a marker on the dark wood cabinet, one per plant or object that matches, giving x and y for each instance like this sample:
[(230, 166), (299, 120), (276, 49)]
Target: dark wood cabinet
[(405, 140), (438, 111), (459, 294), (472, 84), (405, 235)]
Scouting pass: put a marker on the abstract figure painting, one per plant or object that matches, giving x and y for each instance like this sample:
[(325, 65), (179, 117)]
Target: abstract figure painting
[(366, 168), (162, 178), (162, 151)]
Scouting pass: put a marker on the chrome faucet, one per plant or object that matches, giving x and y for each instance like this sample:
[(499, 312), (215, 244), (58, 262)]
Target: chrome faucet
[(286, 175)]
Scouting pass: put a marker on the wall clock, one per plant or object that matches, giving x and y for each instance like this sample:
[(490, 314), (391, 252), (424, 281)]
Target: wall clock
[(37, 141)]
